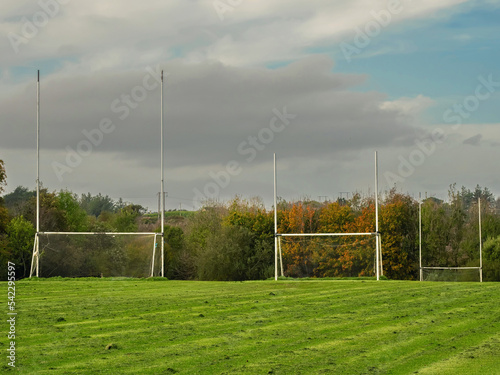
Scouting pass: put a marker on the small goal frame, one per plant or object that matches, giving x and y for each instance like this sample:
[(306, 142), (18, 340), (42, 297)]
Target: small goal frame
[(421, 268), (278, 236), (35, 259)]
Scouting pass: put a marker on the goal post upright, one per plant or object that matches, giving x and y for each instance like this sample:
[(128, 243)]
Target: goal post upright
[(420, 239), (480, 242), (377, 248), (36, 246), (275, 222), (38, 152), (162, 183)]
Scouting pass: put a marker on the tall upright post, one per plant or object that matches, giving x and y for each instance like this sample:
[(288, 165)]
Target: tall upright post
[(480, 243), (37, 242), (281, 256), (275, 224), (380, 253), (377, 249), (153, 259), (420, 239), (162, 184)]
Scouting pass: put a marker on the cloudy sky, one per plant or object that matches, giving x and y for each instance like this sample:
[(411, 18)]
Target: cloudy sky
[(323, 84)]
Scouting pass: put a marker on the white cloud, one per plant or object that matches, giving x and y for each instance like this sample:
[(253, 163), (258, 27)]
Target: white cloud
[(408, 106)]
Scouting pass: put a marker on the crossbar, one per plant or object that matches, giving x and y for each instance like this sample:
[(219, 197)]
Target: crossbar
[(323, 234), (105, 233), (451, 268)]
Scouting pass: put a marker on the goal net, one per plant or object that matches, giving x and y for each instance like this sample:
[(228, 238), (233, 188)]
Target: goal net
[(328, 256), (450, 274), (98, 255)]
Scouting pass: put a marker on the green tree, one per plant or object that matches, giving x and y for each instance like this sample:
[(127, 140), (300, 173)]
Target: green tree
[(226, 254), (174, 245), (18, 199), (126, 219), (491, 262), (4, 219), (21, 234), (95, 205), (458, 216), (435, 233), (491, 249), (3, 177), (75, 216), (52, 218), (470, 198), (199, 227), (398, 227)]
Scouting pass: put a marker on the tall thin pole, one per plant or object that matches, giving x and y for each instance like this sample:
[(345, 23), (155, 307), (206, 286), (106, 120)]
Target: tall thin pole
[(153, 260), (281, 256), (377, 256), (275, 224), (37, 171), (162, 184), (420, 239), (380, 253), (480, 243)]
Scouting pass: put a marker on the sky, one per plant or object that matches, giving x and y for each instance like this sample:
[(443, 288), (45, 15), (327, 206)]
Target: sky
[(322, 84)]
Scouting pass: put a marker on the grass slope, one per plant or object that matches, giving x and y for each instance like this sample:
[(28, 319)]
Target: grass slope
[(94, 326)]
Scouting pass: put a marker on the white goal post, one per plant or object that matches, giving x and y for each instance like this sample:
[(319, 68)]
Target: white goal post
[(278, 236), (76, 246), (35, 260), (422, 268)]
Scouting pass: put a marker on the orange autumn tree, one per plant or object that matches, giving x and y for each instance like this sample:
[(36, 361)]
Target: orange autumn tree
[(363, 247), (299, 217), (333, 255), (399, 231), (351, 255)]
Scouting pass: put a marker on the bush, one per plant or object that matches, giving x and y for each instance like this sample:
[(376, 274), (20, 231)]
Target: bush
[(234, 254)]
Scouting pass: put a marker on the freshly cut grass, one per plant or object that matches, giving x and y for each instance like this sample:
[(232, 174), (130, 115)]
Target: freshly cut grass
[(131, 326)]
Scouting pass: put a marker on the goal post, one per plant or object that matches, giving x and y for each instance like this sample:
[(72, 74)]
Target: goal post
[(279, 236), (423, 269), (94, 254), (329, 254), (35, 260)]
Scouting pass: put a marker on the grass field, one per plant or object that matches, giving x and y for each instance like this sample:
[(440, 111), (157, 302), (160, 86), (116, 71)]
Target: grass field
[(105, 326)]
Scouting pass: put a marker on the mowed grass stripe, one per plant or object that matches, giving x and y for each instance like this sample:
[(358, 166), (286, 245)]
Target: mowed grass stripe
[(295, 327)]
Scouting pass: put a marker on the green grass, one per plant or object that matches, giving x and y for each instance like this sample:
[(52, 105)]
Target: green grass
[(129, 326)]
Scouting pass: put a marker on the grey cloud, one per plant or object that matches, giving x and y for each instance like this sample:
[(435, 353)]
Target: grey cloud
[(473, 141), (209, 110)]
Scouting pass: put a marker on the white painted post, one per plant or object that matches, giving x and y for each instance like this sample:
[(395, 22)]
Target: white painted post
[(153, 260), (162, 184), (380, 252), (377, 256), (480, 243), (33, 256), (420, 240), (275, 224), (281, 257), (37, 242)]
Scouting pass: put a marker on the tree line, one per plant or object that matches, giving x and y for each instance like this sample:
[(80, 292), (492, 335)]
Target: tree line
[(235, 240)]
